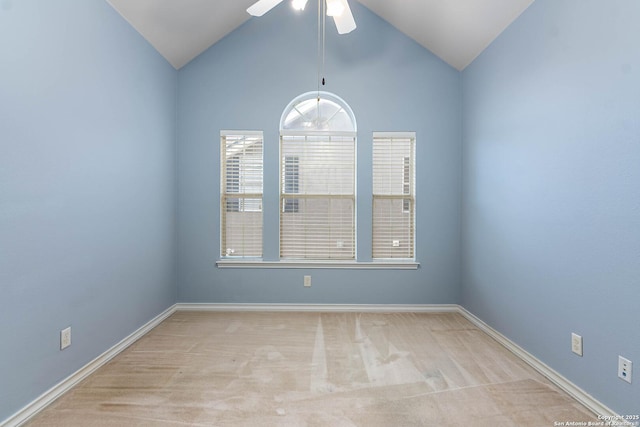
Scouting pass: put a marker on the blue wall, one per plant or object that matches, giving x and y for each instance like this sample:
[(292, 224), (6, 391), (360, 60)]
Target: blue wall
[(551, 211), (87, 188), (246, 80)]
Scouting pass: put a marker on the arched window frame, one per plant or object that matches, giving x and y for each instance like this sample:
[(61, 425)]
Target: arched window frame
[(334, 126)]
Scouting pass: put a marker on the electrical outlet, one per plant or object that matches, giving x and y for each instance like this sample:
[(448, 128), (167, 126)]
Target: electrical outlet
[(624, 369), (576, 344), (307, 281), (65, 338)]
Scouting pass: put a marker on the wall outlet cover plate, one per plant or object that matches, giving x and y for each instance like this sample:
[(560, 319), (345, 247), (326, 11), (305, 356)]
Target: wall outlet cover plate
[(65, 338), (624, 369), (576, 344)]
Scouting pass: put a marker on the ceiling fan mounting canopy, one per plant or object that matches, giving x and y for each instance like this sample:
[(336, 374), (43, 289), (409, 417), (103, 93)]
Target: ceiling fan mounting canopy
[(339, 10)]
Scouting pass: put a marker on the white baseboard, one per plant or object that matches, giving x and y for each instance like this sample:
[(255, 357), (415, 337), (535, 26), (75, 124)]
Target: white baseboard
[(58, 390), (327, 308), (570, 388), (65, 385)]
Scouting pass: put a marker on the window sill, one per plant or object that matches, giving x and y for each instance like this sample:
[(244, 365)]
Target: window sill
[(372, 265)]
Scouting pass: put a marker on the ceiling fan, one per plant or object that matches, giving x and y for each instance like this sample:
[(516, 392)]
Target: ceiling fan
[(338, 9)]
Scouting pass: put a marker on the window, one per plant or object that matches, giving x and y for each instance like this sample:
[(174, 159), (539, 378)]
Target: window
[(393, 195), (241, 194), (317, 169)]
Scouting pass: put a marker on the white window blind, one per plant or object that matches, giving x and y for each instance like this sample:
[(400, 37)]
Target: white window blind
[(394, 195), (317, 196), (241, 194)]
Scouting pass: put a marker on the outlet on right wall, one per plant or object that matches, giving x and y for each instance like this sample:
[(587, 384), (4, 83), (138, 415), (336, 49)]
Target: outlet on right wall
[(551, 189)]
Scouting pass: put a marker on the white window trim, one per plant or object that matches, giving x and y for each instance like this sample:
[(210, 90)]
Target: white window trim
[(306, 264), (243, 132), (394, 134), (318, 132)]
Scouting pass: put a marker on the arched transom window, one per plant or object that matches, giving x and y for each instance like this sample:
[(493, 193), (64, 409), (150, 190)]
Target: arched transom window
[(319, 112)]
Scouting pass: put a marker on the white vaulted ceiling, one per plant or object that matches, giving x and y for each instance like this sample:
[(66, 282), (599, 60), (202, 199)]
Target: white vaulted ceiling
[(455, 30)]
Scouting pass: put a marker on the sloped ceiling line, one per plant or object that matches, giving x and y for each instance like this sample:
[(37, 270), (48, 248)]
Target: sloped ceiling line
[(457, 31)]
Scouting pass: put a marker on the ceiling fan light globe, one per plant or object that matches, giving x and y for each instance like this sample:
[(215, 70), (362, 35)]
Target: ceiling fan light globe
[(334, 8), (298, 4)]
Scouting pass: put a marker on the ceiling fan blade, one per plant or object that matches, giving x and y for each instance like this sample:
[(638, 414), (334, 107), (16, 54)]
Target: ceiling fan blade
[(345, 22), (261, 7)]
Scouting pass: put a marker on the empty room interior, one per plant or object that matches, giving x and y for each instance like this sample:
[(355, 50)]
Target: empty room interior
[(350, 213)]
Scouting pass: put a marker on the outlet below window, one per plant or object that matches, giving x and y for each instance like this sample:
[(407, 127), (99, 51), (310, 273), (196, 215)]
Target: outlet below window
[(65, 338), (576, 344)]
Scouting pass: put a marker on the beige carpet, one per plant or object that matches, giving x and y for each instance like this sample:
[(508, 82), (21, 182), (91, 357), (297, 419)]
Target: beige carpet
[(314, 369)]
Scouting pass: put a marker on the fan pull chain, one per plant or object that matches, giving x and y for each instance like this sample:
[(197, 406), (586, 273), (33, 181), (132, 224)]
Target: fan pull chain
[(322, 25), (319, 44), (324, 32)]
